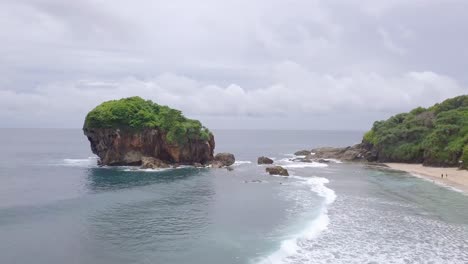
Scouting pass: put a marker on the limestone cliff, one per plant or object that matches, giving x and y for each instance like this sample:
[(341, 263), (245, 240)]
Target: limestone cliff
[(118, 146), (125, 131)]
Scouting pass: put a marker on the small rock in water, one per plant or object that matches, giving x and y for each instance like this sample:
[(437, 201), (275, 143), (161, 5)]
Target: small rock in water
[(226, 159), (229, 168), (323, 161), (264, 160), (277, 170), (253, 181)]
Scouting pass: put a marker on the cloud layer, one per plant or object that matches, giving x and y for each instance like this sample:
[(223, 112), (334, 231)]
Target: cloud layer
[(231, 60), (296, 92)]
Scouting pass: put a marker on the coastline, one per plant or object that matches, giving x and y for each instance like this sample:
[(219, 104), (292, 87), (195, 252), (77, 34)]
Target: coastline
[(456, 180)]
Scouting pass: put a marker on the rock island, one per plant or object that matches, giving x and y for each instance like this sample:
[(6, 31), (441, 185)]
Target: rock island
[(134, 131)]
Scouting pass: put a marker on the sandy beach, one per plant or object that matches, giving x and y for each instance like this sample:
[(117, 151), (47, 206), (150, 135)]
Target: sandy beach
[(457, 179)]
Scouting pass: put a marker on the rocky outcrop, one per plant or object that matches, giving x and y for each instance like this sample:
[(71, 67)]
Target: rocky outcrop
[(264, 160), (224, 159), (359, 152), (152, 163), (277, 170), (216, 164), (302, 153), (116, 146)]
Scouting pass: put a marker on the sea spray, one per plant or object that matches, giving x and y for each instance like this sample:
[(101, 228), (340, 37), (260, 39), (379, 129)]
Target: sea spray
[(241, 162)]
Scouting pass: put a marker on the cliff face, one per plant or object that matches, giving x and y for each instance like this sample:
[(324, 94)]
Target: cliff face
[(116, 146)]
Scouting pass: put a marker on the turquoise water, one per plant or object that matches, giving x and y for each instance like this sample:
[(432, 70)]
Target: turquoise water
[(57, 206)]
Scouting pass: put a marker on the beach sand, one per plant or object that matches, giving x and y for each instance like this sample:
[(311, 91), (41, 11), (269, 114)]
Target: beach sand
[(457, 179)]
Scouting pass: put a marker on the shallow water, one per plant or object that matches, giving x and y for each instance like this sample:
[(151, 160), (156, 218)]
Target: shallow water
[(57, 206)]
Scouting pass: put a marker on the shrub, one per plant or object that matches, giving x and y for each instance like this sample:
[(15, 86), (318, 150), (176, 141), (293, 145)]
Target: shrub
[(369, 137), (464, 157), (137, 113), (437, 135)]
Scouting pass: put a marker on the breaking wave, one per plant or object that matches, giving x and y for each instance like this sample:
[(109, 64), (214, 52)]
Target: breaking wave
[(291, 247)]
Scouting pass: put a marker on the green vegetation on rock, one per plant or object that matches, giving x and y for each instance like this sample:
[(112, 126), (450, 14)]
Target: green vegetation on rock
[(435, 136), (137, 113)]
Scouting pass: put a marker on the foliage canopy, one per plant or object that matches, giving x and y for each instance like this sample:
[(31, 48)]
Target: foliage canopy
[(137, 113), (436, 136)]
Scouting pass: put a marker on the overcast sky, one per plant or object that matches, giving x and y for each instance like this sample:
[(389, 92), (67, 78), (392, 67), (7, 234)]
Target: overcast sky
[(298, 64)]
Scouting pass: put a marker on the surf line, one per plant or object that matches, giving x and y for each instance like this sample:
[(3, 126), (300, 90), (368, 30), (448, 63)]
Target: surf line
[(291, 246)]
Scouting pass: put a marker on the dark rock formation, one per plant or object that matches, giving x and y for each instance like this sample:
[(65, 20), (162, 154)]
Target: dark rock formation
[(116, 146), (359, 152), (277, 170), (302, 153), (226, 159), (264, 160)]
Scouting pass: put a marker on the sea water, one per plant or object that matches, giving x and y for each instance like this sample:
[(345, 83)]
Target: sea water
[(58, 206)]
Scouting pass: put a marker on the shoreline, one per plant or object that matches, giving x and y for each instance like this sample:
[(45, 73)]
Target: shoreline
[(457, 180)]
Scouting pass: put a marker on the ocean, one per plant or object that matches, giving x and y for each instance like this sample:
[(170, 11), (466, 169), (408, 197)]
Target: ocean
[(58, 206)]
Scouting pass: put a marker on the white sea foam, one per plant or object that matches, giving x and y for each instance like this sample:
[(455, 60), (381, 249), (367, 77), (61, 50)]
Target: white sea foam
[(334, 160), (241, 162), (305, 165), (91, 162), (300, 156), (130, 168), (382, 231), (292, 246), (317, 184), (438, 183), (88, 162), (288, 163)]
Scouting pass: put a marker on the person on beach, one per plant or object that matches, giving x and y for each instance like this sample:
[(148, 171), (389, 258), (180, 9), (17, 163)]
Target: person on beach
[(446, 175), (442, 175)]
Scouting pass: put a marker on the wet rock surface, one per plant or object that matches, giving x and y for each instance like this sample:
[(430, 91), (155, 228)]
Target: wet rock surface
[(226, 159), (277, 170), (264, 160)]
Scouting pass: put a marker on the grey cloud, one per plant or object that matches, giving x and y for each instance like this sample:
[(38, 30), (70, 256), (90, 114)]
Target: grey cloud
[(238, 60), (296, 93)]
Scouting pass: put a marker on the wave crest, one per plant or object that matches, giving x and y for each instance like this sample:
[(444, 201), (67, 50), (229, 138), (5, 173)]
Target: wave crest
[(291, 247)]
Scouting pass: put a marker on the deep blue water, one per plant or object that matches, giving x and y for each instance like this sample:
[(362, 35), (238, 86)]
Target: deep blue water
[(57, 206)]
